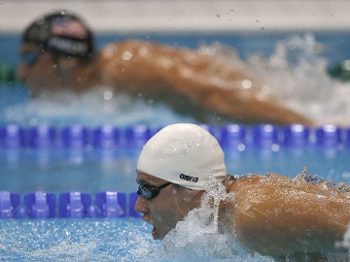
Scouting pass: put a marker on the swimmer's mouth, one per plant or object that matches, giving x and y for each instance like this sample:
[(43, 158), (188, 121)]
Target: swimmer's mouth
[(155, 234), (154, 230)]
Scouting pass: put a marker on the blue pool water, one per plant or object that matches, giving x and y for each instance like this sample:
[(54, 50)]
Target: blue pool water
[(58, 169)]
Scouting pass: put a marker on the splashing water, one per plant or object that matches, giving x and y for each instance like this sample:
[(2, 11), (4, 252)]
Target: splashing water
[(74, 240), (112, 240), (345, 243), (197, 237), (91, 109), (295, 75)]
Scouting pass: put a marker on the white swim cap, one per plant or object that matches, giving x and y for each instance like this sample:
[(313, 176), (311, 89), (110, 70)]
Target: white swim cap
[(184, 154)]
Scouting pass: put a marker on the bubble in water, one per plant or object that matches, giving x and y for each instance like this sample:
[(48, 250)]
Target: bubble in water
[(107, 95)]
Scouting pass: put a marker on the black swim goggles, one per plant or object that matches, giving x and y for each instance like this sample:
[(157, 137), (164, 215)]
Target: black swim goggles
[(150, 191), (30, 58)]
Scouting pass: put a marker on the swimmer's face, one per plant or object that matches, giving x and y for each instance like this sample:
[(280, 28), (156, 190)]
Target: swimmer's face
[(37, 68), (42, 72), (171, 205)]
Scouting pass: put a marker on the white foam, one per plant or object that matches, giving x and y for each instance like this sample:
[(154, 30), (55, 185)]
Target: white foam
[(197, 237), (345, 243), (296, 75)]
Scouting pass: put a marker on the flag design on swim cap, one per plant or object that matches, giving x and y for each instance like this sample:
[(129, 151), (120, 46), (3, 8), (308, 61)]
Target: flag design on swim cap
[(61, 33)]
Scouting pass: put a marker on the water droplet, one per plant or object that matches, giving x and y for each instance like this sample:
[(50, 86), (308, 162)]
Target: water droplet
[(107, 95), (127, 55), (247, 84)]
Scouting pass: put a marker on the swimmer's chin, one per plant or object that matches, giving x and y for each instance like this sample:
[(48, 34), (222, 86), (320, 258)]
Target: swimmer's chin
[(158, 234), (155, 234)]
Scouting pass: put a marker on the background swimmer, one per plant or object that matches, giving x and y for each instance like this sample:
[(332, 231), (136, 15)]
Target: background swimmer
[(58, 55), (182, 168)]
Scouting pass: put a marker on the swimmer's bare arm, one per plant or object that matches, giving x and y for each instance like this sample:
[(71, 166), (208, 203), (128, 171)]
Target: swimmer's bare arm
[(278, 216), (210, 83)]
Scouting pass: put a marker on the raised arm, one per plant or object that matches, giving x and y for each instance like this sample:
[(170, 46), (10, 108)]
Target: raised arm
[(207, 82), (277, 215)]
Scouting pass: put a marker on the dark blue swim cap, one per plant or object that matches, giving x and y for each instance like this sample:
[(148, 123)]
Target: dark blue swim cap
[(62, 33)]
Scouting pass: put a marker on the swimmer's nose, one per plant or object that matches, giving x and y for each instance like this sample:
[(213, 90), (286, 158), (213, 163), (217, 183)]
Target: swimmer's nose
[(141, 205)]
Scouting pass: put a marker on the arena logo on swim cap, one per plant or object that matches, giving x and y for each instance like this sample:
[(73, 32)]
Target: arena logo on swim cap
[(189, 178)]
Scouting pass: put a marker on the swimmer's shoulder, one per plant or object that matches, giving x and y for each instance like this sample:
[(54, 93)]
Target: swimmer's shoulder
[(233, 183), (129, 45), (141, 48), (272, 184), (117, 48)]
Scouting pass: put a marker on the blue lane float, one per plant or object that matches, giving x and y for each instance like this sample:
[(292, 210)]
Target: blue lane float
[(265, 136), (40, 204), (9, 202), (111, 204), (296, 136), (136, 136), (42, 136), (328, 136), (233, 136), (73, 204), (347, 137), (12, 136), (106, 136), (75, 136)]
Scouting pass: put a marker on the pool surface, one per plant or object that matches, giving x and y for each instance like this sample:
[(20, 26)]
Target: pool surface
[(63, 163)]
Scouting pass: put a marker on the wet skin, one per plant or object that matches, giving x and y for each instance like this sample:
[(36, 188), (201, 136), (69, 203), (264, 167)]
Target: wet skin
[(42, 73), (170, 206)]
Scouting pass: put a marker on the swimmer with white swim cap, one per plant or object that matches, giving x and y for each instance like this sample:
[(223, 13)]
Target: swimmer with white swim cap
[(273, 215), (58, 55)]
